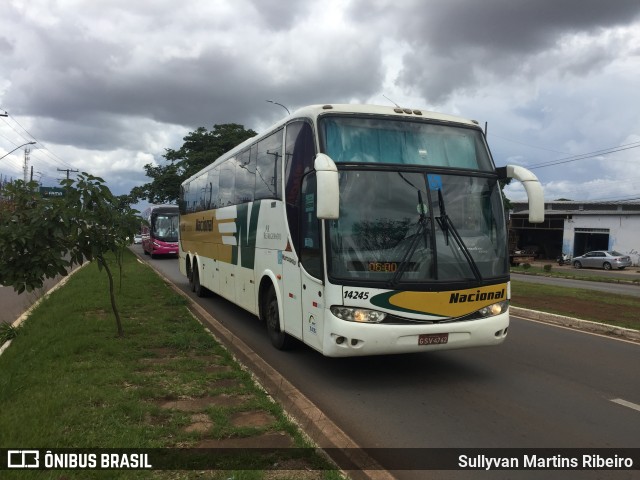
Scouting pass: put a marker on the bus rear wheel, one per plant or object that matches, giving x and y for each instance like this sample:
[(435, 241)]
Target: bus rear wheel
[(196, 286), (189, 273), (279, 339)]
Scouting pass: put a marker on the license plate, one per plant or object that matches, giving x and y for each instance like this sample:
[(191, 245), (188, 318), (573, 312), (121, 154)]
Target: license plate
[(433, 338)]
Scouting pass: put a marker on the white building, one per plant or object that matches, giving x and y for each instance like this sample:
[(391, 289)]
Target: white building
[(578, 227)]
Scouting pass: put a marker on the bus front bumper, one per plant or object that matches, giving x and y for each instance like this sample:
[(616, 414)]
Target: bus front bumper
[(345, 339)]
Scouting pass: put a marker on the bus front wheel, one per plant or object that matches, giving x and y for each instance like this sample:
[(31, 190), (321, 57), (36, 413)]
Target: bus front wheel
[(279, 339)]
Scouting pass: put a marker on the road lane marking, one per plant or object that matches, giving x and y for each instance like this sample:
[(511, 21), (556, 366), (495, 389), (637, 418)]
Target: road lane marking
[(625, 403)]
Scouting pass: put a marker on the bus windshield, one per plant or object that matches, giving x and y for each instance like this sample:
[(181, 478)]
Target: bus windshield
[(165, 227), (389, 141), (410, 227)]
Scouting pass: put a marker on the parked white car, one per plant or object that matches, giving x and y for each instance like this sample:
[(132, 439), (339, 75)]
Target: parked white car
[(606, 259)]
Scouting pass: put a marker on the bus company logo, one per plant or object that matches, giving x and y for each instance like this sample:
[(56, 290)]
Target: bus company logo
[(23, 459), (204, 225), (478, 296), (271, 236), (313, 328)]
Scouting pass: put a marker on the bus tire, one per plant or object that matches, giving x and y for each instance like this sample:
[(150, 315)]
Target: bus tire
[(189, 271), (279, 339), (197, 288)]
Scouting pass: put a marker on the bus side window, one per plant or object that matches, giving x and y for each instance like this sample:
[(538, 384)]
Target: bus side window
[(299, 156), (310, 251), (245, 177), (269, 163), (227, 181), (212, 188), (182, 203)]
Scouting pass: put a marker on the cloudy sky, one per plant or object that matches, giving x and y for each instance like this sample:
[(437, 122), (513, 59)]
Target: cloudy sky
[(104, 86)]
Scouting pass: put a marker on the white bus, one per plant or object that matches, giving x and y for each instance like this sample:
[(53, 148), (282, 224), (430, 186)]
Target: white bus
[(358, 230)]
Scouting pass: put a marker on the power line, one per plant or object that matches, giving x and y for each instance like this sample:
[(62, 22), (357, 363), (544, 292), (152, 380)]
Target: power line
[(529, 145), (585, 156), (572, 158), (44, 149)]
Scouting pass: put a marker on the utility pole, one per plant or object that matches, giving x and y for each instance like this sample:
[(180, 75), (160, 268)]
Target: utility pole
[(27, 151), (67, 170)]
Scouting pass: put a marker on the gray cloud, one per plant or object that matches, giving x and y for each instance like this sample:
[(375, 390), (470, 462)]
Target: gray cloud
[(78, 74), (118, 81), (457, 44)]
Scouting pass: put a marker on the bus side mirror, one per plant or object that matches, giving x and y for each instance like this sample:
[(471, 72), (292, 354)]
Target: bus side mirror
[(531, 185), (328, 205)]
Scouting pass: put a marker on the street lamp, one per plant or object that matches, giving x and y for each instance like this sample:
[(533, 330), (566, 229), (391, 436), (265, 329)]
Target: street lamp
[(276, 103), (23, 145)]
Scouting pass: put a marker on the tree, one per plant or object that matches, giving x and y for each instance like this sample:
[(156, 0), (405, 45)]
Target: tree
[(200, 148), (102, 224), (33, 237), (45, 237)]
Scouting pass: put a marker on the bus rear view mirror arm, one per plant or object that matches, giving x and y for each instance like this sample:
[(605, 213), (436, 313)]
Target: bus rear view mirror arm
[(328, 201), (532, 187)]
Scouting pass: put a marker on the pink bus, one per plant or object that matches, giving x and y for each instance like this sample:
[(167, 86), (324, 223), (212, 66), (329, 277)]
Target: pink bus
[(160, 232)]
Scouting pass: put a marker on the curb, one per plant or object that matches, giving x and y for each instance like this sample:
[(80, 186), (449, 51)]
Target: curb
[(578, 324)]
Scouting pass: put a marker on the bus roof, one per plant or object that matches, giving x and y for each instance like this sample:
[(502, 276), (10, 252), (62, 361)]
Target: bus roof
[(165, 208), (315, 111), (360, 109)]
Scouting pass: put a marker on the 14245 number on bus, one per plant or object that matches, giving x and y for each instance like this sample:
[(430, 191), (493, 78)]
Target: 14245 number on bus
[(353, 295)]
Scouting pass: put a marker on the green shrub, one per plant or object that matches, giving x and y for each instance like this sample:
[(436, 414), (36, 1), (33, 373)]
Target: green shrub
[(548, 267), (526, 266), (7, 332)]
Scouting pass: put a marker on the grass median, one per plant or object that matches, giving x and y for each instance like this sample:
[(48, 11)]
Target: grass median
[(611, 309), (631, 275), (67, 381)]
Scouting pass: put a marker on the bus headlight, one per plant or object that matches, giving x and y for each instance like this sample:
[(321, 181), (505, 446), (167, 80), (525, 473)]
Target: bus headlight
[(361, 315), (495, 309)]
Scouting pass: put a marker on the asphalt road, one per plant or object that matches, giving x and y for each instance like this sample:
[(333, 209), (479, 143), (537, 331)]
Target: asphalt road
[(544, 387), (14, 304)]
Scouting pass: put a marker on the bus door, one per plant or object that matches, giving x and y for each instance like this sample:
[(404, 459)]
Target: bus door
[(303, 301), (312, 310), (312, 266), (292, 293)]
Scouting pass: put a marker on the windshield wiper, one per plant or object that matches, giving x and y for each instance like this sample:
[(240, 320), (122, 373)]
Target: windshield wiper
[(446, 225), (423, 230)]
